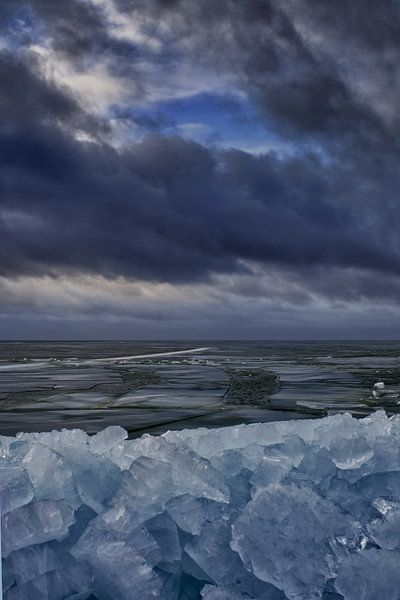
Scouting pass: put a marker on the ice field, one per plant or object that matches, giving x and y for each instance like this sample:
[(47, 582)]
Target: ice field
[(297, 510)]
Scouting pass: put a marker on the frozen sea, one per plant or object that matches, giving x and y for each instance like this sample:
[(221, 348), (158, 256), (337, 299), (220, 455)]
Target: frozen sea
[(158, 386), (296, 507)]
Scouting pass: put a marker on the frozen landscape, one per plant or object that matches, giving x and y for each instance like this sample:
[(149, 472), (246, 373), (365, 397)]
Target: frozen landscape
[(297, 510), (152, 387), (199, 300)]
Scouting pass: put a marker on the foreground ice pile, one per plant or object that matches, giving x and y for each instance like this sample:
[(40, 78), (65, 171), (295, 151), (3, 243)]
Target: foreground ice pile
[(298, 510)]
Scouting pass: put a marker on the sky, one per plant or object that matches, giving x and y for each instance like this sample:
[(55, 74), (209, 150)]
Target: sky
[(199, 169)]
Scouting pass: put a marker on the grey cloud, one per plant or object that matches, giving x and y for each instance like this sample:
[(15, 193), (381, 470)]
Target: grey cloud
[(301, 87), (76, 27), (168, 209), (172, 210), (29, 100)]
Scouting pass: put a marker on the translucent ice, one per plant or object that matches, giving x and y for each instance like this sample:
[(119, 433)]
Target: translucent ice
[(213, 593), (294, 548), (36, 523), (299, 510), (370, 575), (50, 476), (15, 487), (106, 440), (31, 562)]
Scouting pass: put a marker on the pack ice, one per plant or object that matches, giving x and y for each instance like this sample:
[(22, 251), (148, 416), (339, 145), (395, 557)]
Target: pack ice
[(298, 510)]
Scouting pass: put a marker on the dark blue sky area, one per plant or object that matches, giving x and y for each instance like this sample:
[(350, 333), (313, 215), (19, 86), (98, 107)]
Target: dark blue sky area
[(210, 119)]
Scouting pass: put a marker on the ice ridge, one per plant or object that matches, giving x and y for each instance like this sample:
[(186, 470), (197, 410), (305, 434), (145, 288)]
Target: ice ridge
[(297, 510)]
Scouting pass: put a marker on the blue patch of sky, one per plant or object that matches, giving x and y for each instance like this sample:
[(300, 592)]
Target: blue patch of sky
[(211, 119), (22, 28)]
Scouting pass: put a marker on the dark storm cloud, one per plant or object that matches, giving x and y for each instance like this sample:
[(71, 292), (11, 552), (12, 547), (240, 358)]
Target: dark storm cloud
[(27, 100), (260, 42), (75, 27), (168, 209)]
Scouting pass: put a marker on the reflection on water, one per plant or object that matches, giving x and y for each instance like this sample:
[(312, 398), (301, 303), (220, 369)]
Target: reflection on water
[(84, 384)]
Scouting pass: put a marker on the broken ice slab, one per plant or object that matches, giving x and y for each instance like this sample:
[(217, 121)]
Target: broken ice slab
[(15, 487), (297, 510), (37, 522)]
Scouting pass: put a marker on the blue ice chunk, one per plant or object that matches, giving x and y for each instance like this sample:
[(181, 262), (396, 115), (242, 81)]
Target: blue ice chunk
[(370, 575), (104, 441), (299, 510), (386, 531), (284, 536), (188, 513), (50, 474), (15, 487), (351, 453), (163, 529), (121, 570), (31, 562), (60, 584), (35, 523), (211, 592)]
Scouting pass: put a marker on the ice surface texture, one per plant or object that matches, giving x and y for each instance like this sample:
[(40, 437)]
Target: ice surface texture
[(298, 510)]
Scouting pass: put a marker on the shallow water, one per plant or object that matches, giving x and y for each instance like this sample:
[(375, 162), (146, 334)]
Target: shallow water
[(84, 384)]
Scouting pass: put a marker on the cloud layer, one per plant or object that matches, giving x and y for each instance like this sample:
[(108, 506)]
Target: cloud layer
[(98, 181)]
